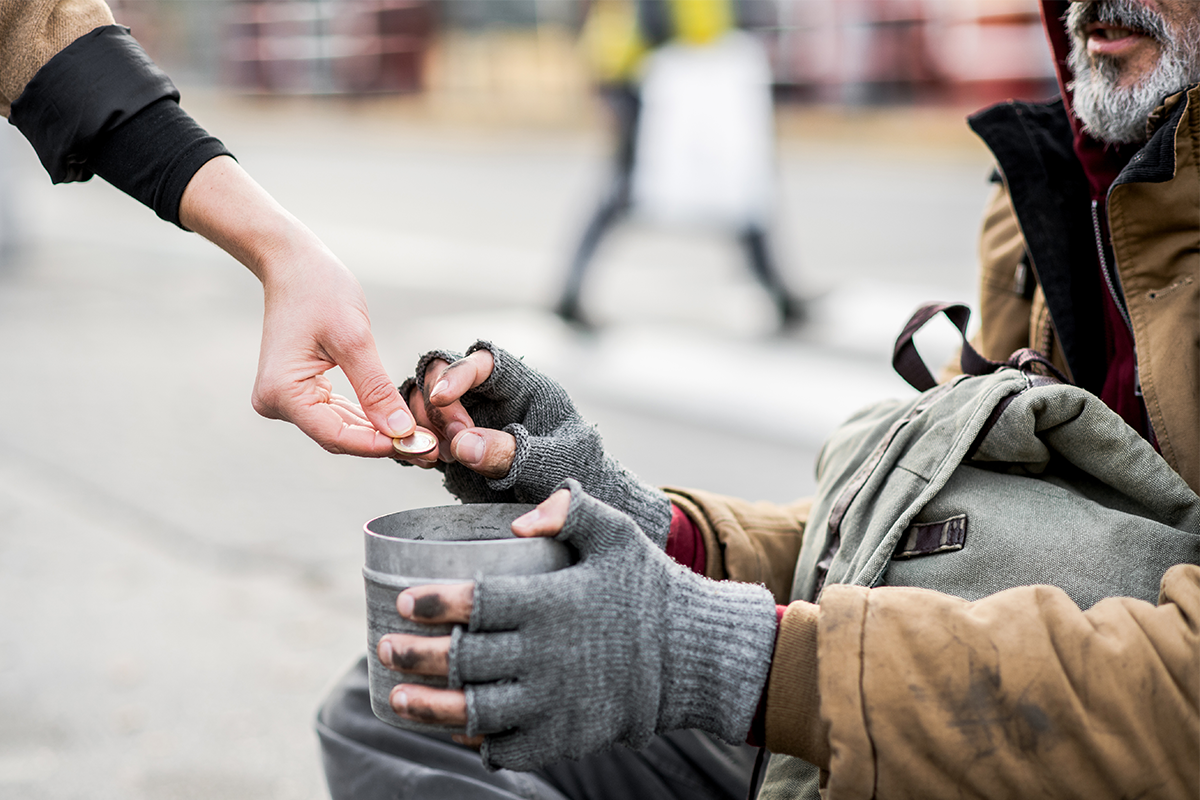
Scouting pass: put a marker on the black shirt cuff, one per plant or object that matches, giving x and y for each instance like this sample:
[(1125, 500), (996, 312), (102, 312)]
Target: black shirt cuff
[(102, 106), (90, 87), (153, 156)]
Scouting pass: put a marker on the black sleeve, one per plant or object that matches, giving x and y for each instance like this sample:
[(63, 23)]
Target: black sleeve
[(102, 107)]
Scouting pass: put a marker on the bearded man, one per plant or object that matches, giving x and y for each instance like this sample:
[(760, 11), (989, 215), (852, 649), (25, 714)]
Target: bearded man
[(1091, 255), (1089, 246)]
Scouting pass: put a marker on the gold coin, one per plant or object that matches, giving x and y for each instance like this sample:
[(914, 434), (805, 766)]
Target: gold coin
[(418, 443)]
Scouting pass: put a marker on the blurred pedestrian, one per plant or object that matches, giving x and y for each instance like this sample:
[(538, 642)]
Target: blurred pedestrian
[(91, 102), (685, 151)]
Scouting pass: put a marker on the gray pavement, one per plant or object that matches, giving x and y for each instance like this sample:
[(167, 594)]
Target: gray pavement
[(180, 579)]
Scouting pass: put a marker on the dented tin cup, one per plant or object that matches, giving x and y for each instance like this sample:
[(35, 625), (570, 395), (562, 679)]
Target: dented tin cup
[(444, 544)]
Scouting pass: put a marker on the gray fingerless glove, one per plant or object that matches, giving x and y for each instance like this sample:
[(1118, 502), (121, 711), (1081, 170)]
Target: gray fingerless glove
[(622, 645), (553, 443)]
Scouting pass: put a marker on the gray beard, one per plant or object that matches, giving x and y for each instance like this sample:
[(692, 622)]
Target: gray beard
[(1118, 114)]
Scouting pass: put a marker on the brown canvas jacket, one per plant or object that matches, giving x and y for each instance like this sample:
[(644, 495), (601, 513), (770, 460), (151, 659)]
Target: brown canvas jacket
[(1019, 694), (34, 31), (747, 542), (899, 692), (1155, 228)]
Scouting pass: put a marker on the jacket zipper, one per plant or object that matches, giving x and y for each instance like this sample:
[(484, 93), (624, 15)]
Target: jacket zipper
[(1112, 281)]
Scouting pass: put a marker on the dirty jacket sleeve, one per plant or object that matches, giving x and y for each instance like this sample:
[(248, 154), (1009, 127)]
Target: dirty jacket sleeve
[(747, 541), (1019, 694)]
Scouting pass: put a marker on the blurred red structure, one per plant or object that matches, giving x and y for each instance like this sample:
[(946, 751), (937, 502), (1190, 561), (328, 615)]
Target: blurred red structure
[(885, 51), (314, 47)]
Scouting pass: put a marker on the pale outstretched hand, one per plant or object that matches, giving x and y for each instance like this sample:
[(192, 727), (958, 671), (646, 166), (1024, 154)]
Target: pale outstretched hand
[(315, 318), (310, 325)]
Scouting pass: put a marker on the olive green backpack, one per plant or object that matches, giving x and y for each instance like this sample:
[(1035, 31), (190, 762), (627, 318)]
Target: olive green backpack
[(1005, 476)]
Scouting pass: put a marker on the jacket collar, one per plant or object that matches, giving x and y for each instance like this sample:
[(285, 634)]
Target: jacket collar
[(1155, 161), (1036, 150)]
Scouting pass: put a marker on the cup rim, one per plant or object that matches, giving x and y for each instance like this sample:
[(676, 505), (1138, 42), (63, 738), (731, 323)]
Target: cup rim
[(461, 508)]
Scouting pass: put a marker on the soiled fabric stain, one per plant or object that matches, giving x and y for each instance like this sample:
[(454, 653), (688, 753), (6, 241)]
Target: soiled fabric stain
[(986, 712)]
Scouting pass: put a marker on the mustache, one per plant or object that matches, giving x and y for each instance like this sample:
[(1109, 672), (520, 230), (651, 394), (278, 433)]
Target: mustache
[(1124, 13)]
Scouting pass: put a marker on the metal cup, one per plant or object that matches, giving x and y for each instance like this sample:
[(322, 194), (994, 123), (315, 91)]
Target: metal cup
[(445, 544)]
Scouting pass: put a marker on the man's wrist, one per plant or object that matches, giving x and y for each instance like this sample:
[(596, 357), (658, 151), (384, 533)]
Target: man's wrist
[(793, 722), (758, 727), (719, 642)]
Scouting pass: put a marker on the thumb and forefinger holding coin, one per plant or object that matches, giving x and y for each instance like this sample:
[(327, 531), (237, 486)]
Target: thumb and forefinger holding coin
[(440, 409)]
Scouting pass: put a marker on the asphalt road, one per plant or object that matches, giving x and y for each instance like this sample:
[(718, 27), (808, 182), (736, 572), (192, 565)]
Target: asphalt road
[(180, 579)]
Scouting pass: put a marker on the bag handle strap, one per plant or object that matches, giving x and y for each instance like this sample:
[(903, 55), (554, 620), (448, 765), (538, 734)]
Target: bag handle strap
[(910, 366)]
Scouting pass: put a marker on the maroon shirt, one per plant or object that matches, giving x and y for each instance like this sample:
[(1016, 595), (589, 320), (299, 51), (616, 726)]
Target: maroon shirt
[(1101, 163)]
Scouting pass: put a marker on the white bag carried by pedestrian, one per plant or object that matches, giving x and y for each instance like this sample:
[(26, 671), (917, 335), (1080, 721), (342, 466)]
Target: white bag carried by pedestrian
[(705, 145)]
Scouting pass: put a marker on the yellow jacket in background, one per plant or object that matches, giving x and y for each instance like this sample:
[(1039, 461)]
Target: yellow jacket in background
[(614, 41)]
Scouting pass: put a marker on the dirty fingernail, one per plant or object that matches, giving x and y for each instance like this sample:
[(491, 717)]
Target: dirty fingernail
[(469, 449), (385, 653), (405, 605), (399, 699), (417, 444), (439, 387)]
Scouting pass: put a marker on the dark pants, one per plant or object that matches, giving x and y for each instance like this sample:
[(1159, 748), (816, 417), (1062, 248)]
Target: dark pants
[(366, 759)]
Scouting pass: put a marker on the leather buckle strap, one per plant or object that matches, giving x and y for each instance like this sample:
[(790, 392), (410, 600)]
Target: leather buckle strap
[(909, 365)]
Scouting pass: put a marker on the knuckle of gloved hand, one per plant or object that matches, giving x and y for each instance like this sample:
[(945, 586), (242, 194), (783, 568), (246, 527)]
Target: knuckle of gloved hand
[(552, 390), (500, 360), (483, 344), (423, 711), (422, 371)]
